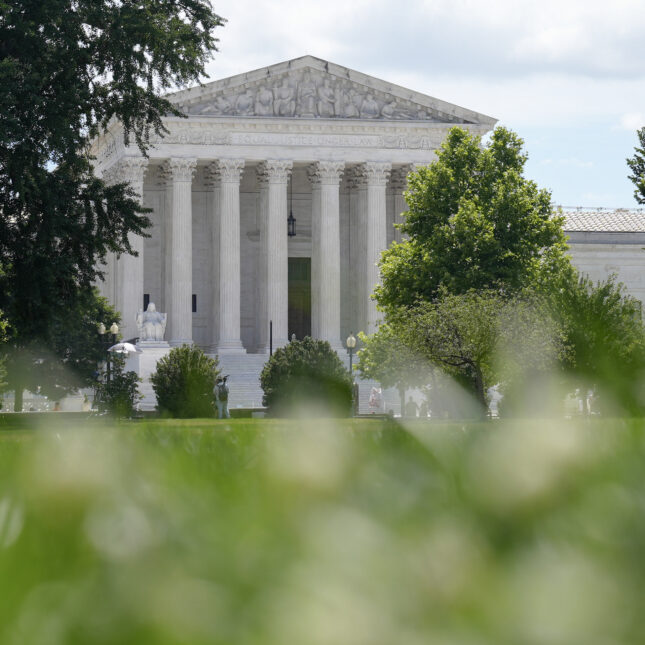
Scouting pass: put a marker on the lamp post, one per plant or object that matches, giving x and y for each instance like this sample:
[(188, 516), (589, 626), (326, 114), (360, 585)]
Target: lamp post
[(351, 343), (114, 330)]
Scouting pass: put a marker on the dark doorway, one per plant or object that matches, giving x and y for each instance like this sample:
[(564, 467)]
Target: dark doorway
[(299, 297)]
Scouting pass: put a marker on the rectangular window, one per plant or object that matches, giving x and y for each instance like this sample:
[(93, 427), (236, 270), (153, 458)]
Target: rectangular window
[(194, 303), (146, 300)]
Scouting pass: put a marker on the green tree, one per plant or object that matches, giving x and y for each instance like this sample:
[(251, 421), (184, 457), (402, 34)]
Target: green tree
[(120, 395), (603, 330), (637, 166), (306, 374), (66, 357), (184, 383), (67, 68), (474, 222), (481, 338), (384, 357)]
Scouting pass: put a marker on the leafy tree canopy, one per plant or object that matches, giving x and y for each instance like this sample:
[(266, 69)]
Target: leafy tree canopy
[(480, 337), (385, 358), (66, 358), (67, 68), (603, 330), (474, 222), (637, 166)]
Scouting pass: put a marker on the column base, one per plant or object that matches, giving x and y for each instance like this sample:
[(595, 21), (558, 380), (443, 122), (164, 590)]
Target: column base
[(179, 342), (228, 347)]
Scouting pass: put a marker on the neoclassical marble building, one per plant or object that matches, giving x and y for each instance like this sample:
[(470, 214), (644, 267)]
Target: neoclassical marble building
[(306, 137), (309, 140)]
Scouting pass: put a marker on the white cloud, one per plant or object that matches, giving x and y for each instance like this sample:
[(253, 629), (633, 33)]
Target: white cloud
[(632, 121), (562, 71), (493, 38)]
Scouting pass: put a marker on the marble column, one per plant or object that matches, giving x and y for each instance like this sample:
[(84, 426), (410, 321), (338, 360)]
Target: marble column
[(129, 268), (358, 248), (273, 283), (376, 177), (163, 299), (325, 254), (226, 174), (180, 172), (399, 184)]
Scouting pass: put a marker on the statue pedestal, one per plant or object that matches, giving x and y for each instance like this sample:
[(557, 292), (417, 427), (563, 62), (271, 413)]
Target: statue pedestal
[(145, 364)]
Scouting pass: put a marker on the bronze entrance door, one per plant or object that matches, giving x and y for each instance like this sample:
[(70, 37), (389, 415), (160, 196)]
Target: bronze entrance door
[(299, 297)]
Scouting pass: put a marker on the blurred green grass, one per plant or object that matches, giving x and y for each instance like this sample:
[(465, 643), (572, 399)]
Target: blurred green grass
[(348, 531)]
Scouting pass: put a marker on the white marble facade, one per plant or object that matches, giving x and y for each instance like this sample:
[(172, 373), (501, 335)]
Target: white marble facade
[(329, 143)]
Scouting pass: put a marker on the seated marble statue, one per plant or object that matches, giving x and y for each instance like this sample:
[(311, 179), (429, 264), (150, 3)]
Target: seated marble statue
[(151, 324)]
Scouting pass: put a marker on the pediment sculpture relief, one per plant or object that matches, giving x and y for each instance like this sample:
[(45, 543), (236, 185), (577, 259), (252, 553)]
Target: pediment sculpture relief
[(310, 94)]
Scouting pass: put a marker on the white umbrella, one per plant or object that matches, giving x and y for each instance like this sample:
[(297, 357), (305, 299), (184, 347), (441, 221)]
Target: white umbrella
[(124, 348)]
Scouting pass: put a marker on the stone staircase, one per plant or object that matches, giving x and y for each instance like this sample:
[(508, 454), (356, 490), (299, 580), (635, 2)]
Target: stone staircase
[(244, 384)]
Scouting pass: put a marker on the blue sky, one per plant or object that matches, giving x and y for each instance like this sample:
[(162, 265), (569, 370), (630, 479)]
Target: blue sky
[(567, 75)]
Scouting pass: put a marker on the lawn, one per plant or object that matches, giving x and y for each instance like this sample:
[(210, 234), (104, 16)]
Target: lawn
[(358, 532)]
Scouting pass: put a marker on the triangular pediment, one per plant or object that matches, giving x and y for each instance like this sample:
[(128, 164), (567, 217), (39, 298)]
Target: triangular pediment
[(311, 88)]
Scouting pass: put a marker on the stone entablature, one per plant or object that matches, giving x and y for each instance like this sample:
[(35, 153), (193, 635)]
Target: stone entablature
[(402, 143)]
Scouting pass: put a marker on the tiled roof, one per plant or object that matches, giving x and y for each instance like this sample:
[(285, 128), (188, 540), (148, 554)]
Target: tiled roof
[(605, 220)]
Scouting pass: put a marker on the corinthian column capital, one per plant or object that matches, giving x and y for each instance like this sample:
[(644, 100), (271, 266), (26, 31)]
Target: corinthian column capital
[(399, 178), (326, 172), (376, 173), (228, 171), (129, 170), (274, 171), (180, 168)]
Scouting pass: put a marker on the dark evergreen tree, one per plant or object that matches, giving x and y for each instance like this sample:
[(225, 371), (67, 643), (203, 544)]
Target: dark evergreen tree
[(637, 166), (67, 68)]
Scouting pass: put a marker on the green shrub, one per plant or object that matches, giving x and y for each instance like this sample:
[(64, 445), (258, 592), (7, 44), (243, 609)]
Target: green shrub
[(184, 383), (306, 373), (120, 394)]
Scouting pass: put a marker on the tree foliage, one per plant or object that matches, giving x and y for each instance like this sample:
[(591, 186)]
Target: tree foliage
[(118, 396), (66, 356), (603, 330), (481, 338), (637, 166), (385, 358), (67, 68), (184, 383), (474, 222), (306, 374)]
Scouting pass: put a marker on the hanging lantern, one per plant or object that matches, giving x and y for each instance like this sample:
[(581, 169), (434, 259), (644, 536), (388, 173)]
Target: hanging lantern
[(291, 220)]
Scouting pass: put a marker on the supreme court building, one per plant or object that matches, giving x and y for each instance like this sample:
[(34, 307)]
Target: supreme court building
[(325, 144), (272, 202)]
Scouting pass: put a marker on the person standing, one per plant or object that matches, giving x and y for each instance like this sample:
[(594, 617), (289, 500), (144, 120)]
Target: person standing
[(221, 398)]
